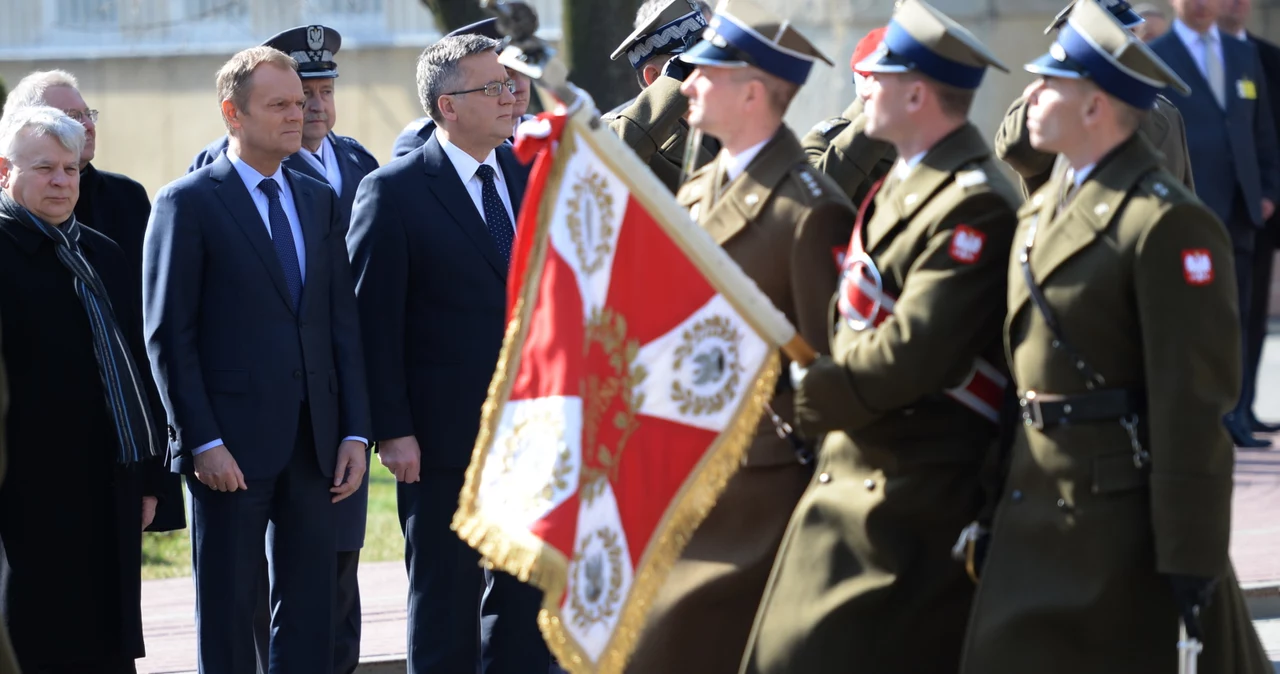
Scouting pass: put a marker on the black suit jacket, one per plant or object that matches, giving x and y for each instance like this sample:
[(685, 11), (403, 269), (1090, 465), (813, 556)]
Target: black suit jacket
[(231, 357), (428, 269), (1269, 56), (354, 161)]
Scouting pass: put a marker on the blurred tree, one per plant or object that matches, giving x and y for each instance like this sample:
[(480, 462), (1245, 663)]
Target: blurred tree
[(451, 14)]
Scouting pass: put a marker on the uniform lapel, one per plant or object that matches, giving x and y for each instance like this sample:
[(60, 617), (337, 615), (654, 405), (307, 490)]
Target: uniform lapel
[(235, 196), (347, 166), (744, 197), (903, 200), (452, 194), (304, 199)]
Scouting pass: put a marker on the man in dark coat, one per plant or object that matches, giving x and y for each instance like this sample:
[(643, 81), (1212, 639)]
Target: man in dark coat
[(112, 204), (8, 665), (70, 566)]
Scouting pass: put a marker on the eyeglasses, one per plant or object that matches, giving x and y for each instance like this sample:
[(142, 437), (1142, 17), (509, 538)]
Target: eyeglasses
[(492, 89), (81, 115)]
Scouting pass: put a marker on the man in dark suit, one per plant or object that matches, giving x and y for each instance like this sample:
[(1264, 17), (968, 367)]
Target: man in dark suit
[(435, 277), (341, 162), (254, 337), (416, 133), (1232, 23), (1231, 137), (112, 204)]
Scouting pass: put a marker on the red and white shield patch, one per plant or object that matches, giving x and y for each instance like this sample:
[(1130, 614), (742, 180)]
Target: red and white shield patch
[(966, 244), (1197, 266)]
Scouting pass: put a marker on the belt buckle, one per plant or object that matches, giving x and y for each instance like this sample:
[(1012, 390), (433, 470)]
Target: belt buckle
[(1032, 415)]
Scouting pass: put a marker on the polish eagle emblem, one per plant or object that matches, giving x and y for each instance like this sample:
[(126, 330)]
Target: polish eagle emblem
[(1197, 266)]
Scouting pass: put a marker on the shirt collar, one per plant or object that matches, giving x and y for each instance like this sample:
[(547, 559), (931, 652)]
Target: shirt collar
[(735, 165), (903, 168), (1083, 174), (465, 164), (1191, 37), (250, 175)]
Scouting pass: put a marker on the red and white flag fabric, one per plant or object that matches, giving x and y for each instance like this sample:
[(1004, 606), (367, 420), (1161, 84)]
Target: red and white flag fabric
[(636, 365)]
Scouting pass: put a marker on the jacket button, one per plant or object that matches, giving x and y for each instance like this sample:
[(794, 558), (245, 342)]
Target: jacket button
[(824, 477), (1016, 496), (297, 374), (870, 484), (1064, 506)]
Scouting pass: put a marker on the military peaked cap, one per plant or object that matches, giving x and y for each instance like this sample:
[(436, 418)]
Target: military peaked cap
[(672, 30), (743, 34), (922, 39), (312, 47)]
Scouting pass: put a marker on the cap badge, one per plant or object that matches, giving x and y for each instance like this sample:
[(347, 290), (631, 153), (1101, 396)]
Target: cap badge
[(315, 38), (1057, 52)]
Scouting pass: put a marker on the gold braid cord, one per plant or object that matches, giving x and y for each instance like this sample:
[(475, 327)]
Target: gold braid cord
[(526, 556)]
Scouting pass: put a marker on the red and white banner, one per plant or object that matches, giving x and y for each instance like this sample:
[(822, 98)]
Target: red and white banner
[(635, 368)]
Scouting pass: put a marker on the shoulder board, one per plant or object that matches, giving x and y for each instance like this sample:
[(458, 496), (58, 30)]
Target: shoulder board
[(826, 126), (971, 178), (808, 179)]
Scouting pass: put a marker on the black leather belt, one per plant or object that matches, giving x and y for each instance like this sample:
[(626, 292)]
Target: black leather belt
[(1047, 410)]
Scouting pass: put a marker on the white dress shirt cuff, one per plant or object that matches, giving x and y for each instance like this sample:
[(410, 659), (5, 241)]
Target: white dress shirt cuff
[(357, 439), (206, 447)]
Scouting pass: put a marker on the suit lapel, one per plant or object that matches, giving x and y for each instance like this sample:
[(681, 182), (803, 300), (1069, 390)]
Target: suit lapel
[(298, 163), (516, 176), (313, 230), (1233, 70), (351, 172), (1184, 64), (452, 194), (235, 196)]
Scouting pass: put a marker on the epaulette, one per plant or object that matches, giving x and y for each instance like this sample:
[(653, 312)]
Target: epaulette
[(354, 145), (827, 126), (971, 178), (808, 179)]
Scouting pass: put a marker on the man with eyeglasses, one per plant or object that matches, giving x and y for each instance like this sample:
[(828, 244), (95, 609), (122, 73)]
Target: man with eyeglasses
[(112, 204), (430, 241), (416, 133)]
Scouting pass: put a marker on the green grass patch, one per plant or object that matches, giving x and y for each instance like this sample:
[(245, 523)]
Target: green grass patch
[(168, 554)]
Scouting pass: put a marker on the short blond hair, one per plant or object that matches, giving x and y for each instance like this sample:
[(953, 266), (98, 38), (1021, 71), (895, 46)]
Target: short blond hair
[(235, 76)]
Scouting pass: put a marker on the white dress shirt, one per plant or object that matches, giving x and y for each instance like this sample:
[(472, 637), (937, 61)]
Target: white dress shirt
[(736, 165), (251, 178), (325, 160), (1191, 40), (466, 166), (903, 167)]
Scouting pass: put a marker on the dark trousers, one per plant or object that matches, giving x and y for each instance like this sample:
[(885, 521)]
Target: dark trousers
[(1243, 237), (289, 519), (1264, 251), (105, 667), (510, 641), (346, 612), (445, 578)]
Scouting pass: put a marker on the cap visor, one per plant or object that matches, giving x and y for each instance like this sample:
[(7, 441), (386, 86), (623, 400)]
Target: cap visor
[(1048, 66), (1130, 18), (706, 54), (883, 62)]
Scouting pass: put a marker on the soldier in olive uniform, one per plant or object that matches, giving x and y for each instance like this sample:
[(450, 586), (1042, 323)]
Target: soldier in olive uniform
[(653, 123), (1163, 128), (782, 221), (909, 397), (839, 147), (1123, 346)]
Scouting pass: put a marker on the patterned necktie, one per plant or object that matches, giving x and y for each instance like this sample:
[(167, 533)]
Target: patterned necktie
[(1213, 70), (495, 214), (282, 240)]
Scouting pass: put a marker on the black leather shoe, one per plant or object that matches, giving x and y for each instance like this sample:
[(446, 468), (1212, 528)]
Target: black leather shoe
[(1258, 426), (1241, 435)]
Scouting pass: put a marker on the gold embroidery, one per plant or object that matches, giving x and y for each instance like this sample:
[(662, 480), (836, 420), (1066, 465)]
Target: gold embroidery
[(590, 221), (717, 362), (600, 462), (588, 603)]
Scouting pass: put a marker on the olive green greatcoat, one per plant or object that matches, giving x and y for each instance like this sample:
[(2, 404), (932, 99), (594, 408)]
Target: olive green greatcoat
[(1073, 578), (864, 581), (839, 148), (1163, 127), (653, 125), (782, 222)]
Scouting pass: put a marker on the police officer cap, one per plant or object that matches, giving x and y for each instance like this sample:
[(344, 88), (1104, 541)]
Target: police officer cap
[(1094, 45), (671, 30), (743, 34), (312, 47), (1120, 9), (922, 39), (487, 28)]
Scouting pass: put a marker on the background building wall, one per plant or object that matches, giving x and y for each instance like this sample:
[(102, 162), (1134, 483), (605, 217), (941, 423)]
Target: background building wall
[(153, 81)]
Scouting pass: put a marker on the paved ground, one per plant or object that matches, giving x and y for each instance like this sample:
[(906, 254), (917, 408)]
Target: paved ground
[(168, 612)]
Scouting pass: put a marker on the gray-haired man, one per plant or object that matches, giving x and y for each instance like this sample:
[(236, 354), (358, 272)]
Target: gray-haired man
[(435, 278)]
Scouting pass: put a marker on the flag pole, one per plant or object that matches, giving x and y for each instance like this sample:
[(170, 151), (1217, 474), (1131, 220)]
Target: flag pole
[(525, 52)]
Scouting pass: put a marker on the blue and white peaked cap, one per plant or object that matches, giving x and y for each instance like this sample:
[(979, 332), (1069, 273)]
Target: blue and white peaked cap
[(671, 30), (743, 34), (1094, 45), (919, 38)]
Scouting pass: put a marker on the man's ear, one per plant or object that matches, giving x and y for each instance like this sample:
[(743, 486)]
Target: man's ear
[(6, 167), (650, 74), (446, 107), (231, 114)]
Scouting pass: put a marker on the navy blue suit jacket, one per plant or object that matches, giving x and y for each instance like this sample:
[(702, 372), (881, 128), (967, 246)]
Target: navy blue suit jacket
[(413, 136), (1233, 148), (428, 268), (354, 161), (231, 358)]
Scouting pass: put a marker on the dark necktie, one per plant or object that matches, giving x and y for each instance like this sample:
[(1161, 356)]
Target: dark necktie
[(495, 214), (282, 240)]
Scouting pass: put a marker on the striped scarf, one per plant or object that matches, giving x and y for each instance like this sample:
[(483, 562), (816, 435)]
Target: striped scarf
[(126, 396)]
